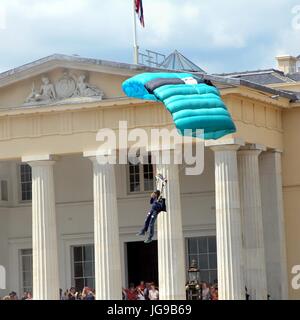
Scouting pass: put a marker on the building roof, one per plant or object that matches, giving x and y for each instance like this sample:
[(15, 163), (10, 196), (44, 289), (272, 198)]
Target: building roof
[(294, 76), (236, 82), (59, 60), (177, 61), (263, 77)]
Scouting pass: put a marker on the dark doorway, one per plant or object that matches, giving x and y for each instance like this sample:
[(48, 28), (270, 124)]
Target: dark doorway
[(142, 262)]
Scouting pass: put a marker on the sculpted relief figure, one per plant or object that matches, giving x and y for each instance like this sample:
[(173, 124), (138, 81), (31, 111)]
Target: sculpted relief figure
[(47, 90), (46, 93), (84, 89), (67, 87)]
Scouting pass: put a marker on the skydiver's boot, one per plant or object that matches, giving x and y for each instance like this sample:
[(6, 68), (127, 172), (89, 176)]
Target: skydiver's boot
[(148, 240)]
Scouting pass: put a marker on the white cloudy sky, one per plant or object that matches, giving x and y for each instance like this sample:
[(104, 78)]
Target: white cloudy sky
[(218, 35)]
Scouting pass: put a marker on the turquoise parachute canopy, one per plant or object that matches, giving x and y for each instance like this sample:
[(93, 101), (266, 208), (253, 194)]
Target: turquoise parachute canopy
[(195, 104)]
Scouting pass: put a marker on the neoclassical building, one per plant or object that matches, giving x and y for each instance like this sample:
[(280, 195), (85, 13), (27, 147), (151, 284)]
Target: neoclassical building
[(66, 220)]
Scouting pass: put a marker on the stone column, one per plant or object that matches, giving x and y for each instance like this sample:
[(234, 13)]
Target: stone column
[(273, 223), (228, 223), (108, 283), (44, 230), (252, 224), (171, 260)]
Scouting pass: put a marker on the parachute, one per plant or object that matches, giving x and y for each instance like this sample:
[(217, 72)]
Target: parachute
[(193, 102)]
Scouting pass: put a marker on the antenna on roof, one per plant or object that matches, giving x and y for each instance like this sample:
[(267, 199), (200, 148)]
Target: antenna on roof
[(151, 58)]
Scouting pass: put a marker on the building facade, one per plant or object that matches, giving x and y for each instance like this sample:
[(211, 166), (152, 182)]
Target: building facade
[(66, 220)]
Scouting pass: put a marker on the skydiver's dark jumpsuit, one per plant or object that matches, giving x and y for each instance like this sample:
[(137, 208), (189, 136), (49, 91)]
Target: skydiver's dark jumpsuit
[(156, 208)]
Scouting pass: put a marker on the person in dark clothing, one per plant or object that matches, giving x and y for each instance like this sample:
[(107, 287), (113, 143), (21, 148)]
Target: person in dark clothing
[(157, 205), (72, 294), (247, 294)]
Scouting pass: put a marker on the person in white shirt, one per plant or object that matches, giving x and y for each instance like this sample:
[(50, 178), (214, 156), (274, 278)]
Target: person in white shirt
[(205, 291), (140, 294), (153, 293)]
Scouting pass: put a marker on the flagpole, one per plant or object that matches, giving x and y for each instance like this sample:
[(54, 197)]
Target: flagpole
[(135, 44)]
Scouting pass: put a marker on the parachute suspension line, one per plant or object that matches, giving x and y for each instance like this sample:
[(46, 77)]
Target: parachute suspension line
[(160, 184), (161, 181)]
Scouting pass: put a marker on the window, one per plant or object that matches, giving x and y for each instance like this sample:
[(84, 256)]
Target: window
[(26, 269), (204, 251), (134, 177), (83, 271), (26, 182), (4, 190), (141, 176), (148, 176)]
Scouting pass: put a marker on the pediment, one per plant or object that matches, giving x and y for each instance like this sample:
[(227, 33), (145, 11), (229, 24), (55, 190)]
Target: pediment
[(62, 79)]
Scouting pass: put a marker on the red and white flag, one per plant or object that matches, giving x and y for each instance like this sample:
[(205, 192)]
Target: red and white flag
[(140, 11)]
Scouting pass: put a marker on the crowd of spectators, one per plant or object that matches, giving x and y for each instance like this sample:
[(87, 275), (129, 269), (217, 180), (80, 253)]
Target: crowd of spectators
[(72, 294), (209, 292), (144, 291)]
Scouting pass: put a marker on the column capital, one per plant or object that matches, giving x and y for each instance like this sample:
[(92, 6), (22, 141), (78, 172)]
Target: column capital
[(94, 155), (226, 147), (257, 146), (280, 151), (40, 160), (100, 152), (225, 142), (166, 154), (249, 152), (157, 148), (252, 149), (254, 146)]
